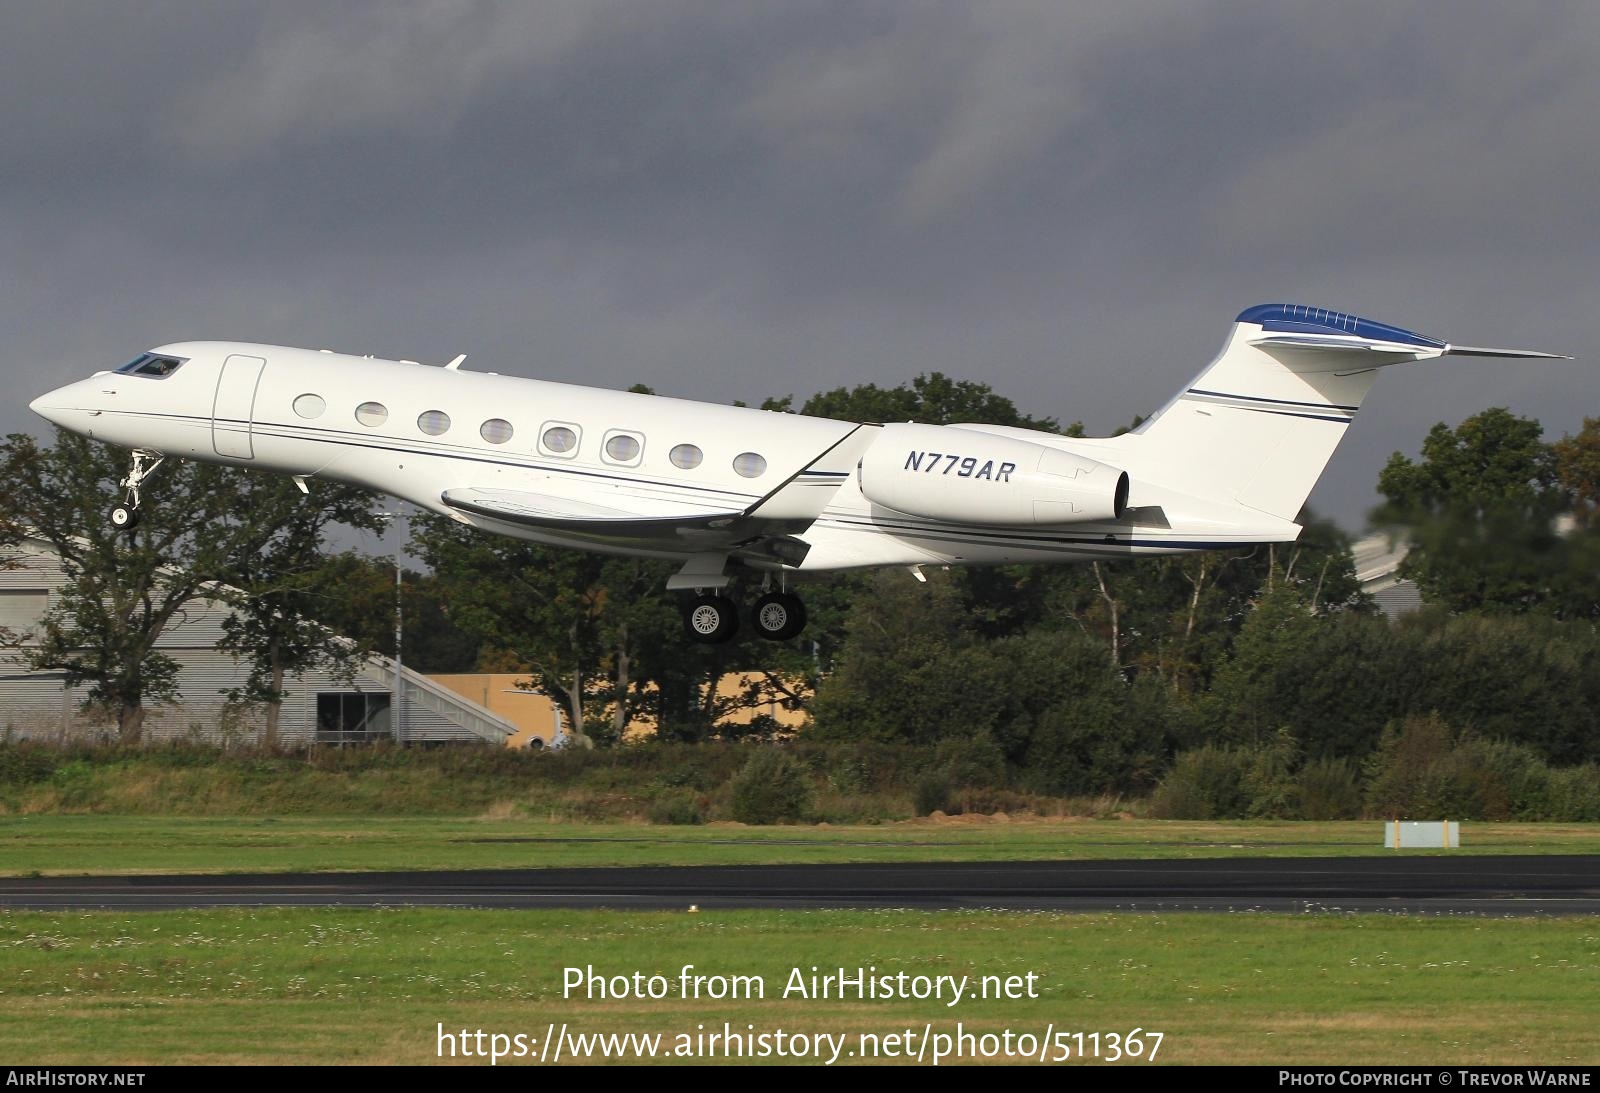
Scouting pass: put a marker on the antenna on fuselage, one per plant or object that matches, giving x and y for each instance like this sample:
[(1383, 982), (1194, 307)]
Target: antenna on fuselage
[(455, 365)]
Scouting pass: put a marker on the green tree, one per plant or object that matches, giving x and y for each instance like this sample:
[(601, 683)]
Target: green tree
[(122, 589), (1177, 616), (911, 668), (277, 591), (355, 598), (1332, 680), (1480, 512), (1578, 469), (532, 606), (932, 399)]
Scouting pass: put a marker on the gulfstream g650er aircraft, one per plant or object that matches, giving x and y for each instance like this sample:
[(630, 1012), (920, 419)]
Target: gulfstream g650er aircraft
[(1228, 462)]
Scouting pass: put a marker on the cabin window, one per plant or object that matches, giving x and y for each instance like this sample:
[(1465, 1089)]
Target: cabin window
[(623, 448), (310, 406), (496, 430), (151, 365), (372, 414), (434, 422), (559, 440), (749, 465), (686, 457)]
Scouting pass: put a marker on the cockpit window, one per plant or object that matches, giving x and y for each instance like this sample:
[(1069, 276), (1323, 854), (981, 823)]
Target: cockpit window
[(152, 365)]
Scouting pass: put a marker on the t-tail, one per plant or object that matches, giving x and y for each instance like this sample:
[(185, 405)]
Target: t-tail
[(1257, 427)]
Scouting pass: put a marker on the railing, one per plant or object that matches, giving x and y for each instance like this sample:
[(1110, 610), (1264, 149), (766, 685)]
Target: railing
[(422, 693)]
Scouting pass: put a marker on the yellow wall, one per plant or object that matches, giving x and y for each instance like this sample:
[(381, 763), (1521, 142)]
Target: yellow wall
[(535, 715), (532, 713)]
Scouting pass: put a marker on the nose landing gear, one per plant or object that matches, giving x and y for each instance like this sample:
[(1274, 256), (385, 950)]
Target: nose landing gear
[(125, 516)]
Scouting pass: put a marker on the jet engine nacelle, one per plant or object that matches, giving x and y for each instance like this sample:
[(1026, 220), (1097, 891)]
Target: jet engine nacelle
[(964, 476)]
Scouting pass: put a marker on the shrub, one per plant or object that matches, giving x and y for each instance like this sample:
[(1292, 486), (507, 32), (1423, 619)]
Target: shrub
[(1269, 781), (970, 759), (677, 808), (931, 794), (1205, 784), (1328, 789), (771, 788), (1575, 794)]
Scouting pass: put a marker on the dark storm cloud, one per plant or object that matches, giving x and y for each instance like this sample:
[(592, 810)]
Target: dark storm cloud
[(746, 199)]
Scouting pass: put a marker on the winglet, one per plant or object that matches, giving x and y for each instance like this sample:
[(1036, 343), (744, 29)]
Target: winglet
[(455, 365)]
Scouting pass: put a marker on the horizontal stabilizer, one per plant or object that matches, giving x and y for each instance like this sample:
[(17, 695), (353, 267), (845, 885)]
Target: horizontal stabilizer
[(1295, 326), (1477, 351), (1341, 343)]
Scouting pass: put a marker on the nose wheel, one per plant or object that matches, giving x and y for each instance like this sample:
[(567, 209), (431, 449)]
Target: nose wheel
[(125, 516)]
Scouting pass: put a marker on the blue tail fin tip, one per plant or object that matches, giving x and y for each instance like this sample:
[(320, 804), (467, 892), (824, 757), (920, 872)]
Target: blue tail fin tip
[(1300, 319)]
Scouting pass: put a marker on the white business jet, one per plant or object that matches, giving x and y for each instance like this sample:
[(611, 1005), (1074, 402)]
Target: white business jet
[(723, 489)]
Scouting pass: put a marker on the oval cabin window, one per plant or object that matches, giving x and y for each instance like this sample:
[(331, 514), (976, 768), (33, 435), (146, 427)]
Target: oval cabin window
[(310, 406), (559, 439), (750, 465), (495, 430), (686, 457), (434, 422), (372, 414), (623, 448)]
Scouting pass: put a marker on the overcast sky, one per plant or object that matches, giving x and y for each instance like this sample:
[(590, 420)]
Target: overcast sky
[(1069, 202)]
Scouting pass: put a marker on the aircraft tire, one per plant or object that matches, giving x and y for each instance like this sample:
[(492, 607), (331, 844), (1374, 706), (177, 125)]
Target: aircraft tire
[(711, 620), (124, 517), (778, 616)]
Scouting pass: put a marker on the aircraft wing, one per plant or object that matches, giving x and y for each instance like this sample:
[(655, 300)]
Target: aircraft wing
[(766, 529), (646, 525), (543, 510)]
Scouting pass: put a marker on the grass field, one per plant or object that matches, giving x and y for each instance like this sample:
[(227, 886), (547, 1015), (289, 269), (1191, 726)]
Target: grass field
[(368, 986), (92, 844), (372, 986)]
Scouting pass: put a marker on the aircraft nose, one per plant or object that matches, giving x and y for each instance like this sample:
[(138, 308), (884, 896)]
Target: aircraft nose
[(49, 406)]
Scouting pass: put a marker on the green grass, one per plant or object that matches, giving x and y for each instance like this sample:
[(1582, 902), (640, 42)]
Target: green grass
[(369, 986), (92, 844)]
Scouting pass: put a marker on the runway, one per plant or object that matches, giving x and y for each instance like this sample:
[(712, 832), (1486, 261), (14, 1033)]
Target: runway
[(1401, 884)]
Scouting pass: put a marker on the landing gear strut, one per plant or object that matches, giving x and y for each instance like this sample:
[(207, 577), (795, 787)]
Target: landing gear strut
[(125, 516)]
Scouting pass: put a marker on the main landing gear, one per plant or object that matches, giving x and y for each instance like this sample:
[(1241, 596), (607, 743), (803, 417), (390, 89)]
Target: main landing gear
[(713, 619), (125, 516)]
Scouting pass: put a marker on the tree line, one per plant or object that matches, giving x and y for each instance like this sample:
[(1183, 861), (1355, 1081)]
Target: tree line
[(1071, 679)]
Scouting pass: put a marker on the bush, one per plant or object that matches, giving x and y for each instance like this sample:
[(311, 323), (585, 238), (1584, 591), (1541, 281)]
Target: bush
[(931, 794), (970, 759), (1205, 784), (1328, 789), (27, 764), (1575, 794), (772, 788), (681, 809), (1269, 782)]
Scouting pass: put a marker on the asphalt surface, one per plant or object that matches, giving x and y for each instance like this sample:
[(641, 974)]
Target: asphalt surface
[(1402, 884)]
